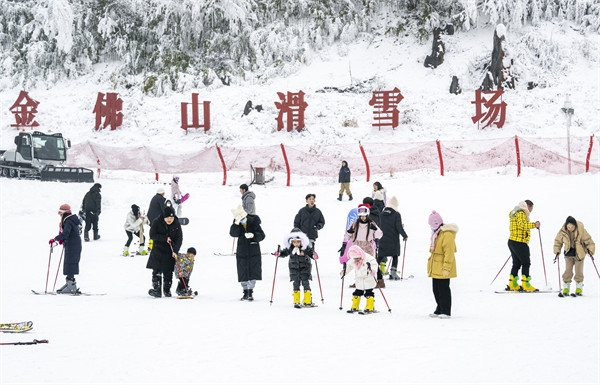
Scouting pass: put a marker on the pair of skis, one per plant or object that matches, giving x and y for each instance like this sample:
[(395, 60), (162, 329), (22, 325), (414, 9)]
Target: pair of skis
[(71, 294), (19, 327)]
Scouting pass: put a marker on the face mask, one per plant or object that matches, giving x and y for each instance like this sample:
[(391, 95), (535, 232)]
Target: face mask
[(243, 221), (433, 229)]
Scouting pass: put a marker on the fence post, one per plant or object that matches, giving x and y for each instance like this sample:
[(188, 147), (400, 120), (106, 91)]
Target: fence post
[(362, 150), (518, 155), (287, 164), (222, 164), (587, 158), (439, 150)]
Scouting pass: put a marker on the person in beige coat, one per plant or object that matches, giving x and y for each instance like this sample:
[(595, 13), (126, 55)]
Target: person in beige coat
[(577, 243), (441, 265)]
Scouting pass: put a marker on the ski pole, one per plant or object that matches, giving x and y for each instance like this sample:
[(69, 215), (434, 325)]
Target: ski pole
[(557, 260), (383, 296), (58, 268), (233, 246), (543, 262), (592, 257), (48, 270), (34, 342), (500, 271), (318, 277), (274, 275), (342, 292), (403, 256)]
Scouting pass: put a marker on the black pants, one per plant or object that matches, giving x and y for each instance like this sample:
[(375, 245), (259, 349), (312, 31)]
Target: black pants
[(519, 252), (442, 295), (366, 293), (91, 221), (130, 237)]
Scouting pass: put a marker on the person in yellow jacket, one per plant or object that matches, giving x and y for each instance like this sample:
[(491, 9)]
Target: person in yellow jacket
[(577, 243), (441, 265), (518, 244)]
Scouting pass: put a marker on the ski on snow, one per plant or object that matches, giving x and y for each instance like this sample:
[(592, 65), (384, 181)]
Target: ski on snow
[(16, 327), (525, 292), (71, 294), (34, 342)]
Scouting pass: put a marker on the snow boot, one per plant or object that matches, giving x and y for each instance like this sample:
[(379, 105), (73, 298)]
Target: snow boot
[(297, 299), (307, 298), (355, 304), (69, 288), (381, 283), (142, 250), (513, 284), (566, 288), (526, 285), (96, 235), (167, 287), (370, 306), (382, 267), (245, 297), (350, 197), (86, 236), (156, 290), (394, 275), (340, 197), (126, 251), (579, 288), (250, 297)]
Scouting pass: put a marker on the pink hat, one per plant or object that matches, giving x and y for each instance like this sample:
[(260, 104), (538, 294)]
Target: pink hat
[(435, 220), (356, 252)]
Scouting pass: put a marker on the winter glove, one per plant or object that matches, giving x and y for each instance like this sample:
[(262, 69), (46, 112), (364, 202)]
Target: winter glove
[(276, 254), (350, 230), (556, 258), (377, 242), (372, 226), (249, 235), (369, 268), (404, 239), (342, 249), (445, 273), (150, 244), (318, 226), (61, 242), (52, 241), (315, 256)]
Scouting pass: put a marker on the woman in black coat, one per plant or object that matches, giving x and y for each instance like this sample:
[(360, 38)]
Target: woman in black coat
[(167, 238), (70, 238), (246, 228), (389, 244)]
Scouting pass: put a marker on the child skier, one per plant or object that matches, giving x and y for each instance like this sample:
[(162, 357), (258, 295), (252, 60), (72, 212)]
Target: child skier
[(183, 269), (134, 223), (297, 247), (365, 268)]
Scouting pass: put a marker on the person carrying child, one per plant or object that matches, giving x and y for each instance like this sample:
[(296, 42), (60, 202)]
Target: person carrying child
[(297, 247), (183, 268), (365, 272)]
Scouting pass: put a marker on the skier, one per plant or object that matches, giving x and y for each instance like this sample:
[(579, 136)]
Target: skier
[(246, 228), (134, 221), (389, 245), (297, 247), (167, 238), (364, 266), (310, 219), (92, 205), (185, 265), (157, 204), (344, 179), (176, 195), (247, 199), (70, 237), (441, 265), (577, 243), (379, 196), (518, 240)]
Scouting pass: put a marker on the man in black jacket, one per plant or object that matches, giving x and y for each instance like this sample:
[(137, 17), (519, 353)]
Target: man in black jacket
[(92, 205), (310, 219)]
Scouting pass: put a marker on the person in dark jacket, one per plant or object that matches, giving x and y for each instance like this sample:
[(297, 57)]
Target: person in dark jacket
[(246, 228), (167, 238), (92, 205), (389, 245), (310, 219), (344, 179), (157, 205), (70, 238)]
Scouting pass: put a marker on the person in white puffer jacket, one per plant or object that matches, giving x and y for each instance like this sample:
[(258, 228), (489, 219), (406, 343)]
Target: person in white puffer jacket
[(133, 225), (365, 269)]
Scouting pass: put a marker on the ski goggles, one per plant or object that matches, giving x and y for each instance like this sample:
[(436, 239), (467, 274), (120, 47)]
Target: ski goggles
[(363, 212)]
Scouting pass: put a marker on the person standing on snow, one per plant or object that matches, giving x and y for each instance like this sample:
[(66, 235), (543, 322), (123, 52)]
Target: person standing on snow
[(167, 238), (344, 180), (70, 237), (364, 266), (247, 199), (133, 225), (310, 219), (297, 247), (92, 205), (379, 196), (441, 265), (577, 243), (246, 228), (389, 245), (518, 244), (157, 205), (176, 195)]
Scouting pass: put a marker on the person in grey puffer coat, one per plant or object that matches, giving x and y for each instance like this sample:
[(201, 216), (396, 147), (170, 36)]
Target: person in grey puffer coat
[(248, 199)]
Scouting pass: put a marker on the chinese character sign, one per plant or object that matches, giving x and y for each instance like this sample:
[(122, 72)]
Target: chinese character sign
[(384, 104), (109, 108), (291, 107), (494, 106), (195, 123), (24, 110)]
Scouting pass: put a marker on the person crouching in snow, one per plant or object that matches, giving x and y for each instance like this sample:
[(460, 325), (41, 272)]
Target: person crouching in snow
[(365, 270), (133, 225), (70, 237), (297, 247), (184, 266)]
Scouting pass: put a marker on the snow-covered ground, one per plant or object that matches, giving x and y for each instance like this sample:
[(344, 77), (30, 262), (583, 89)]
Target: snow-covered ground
[(128, 337)]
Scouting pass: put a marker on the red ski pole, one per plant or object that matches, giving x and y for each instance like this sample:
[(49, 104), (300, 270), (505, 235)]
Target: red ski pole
[(592, 257), (318, 277), (500, 271), (557, 260), (543, 263), (58, 268), (403, 256), (48, 271), (275, 275)]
